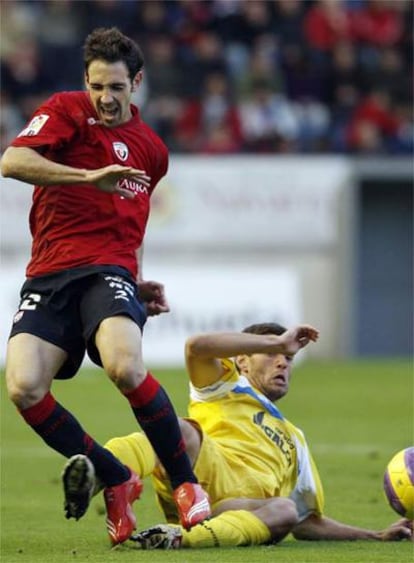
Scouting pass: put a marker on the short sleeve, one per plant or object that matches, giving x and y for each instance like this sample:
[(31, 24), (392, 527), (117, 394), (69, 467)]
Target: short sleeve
[(50, 126), (224, 385)]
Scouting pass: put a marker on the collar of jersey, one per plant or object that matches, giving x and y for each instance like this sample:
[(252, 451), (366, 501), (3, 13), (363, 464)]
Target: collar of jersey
[(243, 386)]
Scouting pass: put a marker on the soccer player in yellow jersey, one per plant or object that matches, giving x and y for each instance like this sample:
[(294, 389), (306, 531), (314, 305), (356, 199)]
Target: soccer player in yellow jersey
[(254, 464)]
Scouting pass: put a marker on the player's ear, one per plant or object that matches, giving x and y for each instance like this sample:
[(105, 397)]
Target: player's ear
[(86, 78), (242, 363), (137, 80)]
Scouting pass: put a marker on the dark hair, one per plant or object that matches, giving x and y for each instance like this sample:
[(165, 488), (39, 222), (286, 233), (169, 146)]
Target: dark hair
[(112, 46), (265, 328)]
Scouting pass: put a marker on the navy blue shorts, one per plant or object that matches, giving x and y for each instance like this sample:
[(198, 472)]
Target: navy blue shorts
[(66, 309)]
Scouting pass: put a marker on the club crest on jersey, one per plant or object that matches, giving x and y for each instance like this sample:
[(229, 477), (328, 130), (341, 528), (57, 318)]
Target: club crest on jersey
[(34, 126), (121, 150)]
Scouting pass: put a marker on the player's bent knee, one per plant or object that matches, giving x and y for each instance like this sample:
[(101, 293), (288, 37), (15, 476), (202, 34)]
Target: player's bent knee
[(125, 374), (25, 396)]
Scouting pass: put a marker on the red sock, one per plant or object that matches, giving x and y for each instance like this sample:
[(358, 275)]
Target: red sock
[(154, 412)]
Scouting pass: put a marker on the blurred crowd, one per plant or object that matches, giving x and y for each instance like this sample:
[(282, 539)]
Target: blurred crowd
[(231, 76)]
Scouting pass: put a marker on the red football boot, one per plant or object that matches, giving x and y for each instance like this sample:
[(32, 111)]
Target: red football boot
[(192, 503), (120, 520)]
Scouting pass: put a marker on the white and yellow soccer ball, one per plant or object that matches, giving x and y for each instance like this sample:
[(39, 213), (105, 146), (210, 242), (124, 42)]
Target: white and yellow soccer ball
[(399, 483)]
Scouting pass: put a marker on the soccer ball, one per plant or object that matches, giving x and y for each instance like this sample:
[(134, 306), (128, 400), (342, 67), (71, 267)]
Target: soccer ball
[(399, 483)]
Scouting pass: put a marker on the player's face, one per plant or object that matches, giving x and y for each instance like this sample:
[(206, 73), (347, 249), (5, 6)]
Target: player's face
[(110, 89), (269, 373)]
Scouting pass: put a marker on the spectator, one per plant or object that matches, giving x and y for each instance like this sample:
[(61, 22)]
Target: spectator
[(152, 21), (255, 20), (327, 23), (212, 121), (321, 54), (262, 65), (313, 123), (343, 92), (404, 142), (373, 124), (390, 75), (107, 13), (220, 139), (343, 107), (379, 23), (288, 21), (269, 123), (10, 120), (164, 79), (202, 57), (305, 77), (343, 70), (60, 43), (24, 77)]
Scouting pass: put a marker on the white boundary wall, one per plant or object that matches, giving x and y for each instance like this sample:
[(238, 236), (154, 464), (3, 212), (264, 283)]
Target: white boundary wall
[(236, 241)]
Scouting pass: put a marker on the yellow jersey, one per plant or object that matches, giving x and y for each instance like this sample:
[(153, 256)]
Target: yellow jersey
[(264, 454)]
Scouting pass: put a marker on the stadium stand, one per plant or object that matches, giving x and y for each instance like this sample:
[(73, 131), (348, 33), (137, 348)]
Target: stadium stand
[(232, 76)]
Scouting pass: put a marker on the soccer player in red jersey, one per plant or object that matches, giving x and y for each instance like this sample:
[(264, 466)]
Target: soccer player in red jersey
[(94, 164)]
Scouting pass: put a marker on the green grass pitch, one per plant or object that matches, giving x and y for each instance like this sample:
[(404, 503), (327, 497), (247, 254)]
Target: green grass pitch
[(356, 415)]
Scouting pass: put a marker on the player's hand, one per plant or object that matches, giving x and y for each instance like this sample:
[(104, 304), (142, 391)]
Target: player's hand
[(298, 337), (153, 295), (113, 179), (400, 530)]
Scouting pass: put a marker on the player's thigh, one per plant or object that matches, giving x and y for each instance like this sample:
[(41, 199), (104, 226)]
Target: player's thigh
[(48, 314), (119, 342), (215, 473), (31, 365), (113, 318)]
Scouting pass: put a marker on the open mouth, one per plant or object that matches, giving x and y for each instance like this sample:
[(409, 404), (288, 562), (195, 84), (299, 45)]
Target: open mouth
[(108, 113), (280, 379)]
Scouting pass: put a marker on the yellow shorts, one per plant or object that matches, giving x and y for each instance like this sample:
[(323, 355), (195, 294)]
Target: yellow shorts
[(221, 473)]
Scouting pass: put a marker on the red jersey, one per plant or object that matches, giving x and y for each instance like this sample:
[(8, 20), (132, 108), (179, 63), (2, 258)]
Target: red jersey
[(80, 225)]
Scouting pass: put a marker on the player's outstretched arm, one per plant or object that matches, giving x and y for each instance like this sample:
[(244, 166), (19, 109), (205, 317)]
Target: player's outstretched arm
[(28, 165), (229, 344), (203, 350), (321, 528)]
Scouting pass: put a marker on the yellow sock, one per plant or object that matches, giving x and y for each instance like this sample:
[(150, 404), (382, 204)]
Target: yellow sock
[(135, 451), (229, 529)]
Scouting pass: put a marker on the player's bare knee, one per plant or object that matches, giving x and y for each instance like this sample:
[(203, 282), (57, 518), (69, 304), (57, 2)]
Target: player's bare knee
[(24, 394), (125, 373)]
